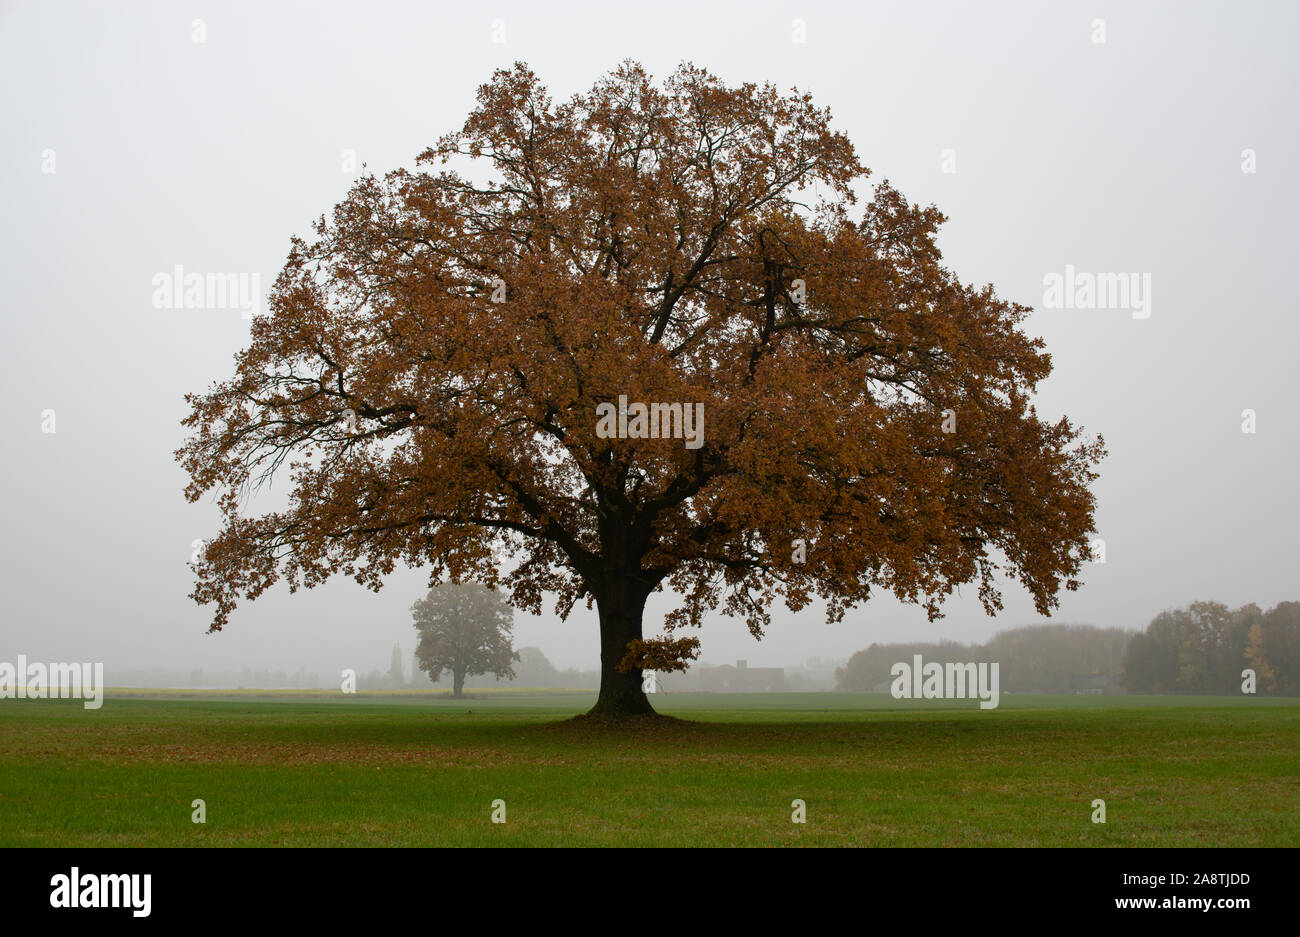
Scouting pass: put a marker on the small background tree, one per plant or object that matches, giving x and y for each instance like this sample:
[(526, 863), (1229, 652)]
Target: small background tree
[(1257, 659), (395, 677), (465, 629)]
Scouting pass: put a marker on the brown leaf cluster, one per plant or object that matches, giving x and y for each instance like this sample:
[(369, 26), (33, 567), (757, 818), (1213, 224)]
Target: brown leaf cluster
[(660, 654)]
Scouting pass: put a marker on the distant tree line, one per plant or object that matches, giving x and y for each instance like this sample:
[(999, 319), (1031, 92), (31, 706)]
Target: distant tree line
[(535, 670), (1034, 659), (1203, 648), (249, 677)]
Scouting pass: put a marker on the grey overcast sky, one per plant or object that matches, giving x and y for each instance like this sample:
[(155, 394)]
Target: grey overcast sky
[(130, 148)]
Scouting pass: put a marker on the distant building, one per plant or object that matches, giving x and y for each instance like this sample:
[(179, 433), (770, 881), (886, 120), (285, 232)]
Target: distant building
[(1089, 684), (742, 679)]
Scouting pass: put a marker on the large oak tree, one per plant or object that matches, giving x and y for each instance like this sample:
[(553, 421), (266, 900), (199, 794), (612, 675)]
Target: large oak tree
[(434, 360)]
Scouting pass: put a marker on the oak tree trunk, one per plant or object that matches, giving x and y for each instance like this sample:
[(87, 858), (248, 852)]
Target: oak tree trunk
[(620, 604)]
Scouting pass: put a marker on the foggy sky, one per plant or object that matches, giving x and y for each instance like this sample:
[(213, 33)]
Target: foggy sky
[(1122, 156)]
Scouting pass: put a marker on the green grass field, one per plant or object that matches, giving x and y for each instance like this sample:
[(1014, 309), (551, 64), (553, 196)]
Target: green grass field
[(298, 769)]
